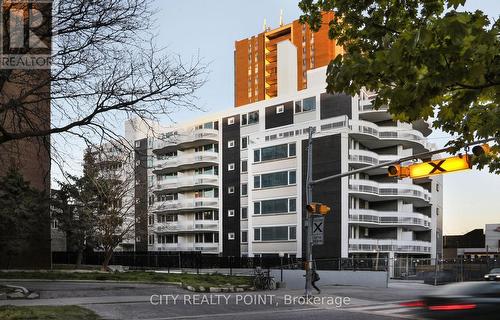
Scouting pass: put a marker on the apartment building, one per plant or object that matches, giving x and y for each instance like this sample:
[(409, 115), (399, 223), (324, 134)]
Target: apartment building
[(256, 60), (233, 184)]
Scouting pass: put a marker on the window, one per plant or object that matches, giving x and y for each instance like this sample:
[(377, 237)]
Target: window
[(275, 179), (230, 190), (281, 151), (162, 218), (151, 219), (244, 166), (256, 234), (230, 121), (138, 144), (244, 213), (207, 237), (230, 213), (167, 238), (230, 144), (308, 104), (244, 119), (244, 236), (244, 189), (437, 187), (244, 143), (151, 239), (281, 233), (230, 166), (230, 236), (253, 117), (207, 215), (280, 109), (275, 206)]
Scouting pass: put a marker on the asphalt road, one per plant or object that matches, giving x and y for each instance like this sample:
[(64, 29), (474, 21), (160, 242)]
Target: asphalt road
[(130, 301)]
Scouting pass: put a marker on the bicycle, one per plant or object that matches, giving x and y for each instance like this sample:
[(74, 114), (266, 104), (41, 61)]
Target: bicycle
[(262, 280)]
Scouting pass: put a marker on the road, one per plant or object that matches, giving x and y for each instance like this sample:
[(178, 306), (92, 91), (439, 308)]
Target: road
[(129, 301)]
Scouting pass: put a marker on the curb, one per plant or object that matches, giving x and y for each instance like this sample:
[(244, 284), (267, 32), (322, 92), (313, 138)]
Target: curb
[(90, 281)]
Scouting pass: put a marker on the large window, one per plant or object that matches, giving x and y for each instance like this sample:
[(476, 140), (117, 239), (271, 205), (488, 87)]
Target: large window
[(207, 215), (275, 179), (281, 151), (283, 233), (207, 237), (275, 206), (162, 218), (167, 238)]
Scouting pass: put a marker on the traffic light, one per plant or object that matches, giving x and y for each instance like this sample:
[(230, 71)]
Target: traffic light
[(435, 167), (318, 208), (398, 171), (481, 150)]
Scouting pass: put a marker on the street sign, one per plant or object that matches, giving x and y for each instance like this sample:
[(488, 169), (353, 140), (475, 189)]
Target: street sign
[(318, 230), (435, 167)]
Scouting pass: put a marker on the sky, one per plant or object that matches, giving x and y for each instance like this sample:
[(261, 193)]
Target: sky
[(208, 29)]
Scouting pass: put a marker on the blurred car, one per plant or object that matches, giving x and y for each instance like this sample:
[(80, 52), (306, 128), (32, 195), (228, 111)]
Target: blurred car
[(478, 300), (494, 275)]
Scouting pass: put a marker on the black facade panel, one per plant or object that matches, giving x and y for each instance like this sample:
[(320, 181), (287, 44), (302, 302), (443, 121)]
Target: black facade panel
[(326, 162), (334, 105), (230, 178), (274, 120), (141, 196)]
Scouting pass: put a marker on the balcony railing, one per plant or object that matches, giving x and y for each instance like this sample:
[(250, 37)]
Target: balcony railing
[(369, 158), (174, 227), (374, 245), (189, 136), (372, 129), (389, 189), (389, 218), (186, 159), (187, 204), (188, 181)]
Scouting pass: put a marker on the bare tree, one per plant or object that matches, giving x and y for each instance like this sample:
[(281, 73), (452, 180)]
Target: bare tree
[(105, 65)]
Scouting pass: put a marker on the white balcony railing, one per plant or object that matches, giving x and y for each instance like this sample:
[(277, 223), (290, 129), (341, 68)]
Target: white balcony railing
[(186, 204), (374, 245), (388, 133), (188, 136), (204, 225), (186, 159), (389, 218), (369, 157), (187, 181), (389, 189)]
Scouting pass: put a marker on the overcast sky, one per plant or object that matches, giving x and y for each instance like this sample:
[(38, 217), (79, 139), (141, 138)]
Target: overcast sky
[(208, 28)]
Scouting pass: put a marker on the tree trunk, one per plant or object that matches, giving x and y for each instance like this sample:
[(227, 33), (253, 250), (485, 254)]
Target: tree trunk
[(79, 258), (107, 257)]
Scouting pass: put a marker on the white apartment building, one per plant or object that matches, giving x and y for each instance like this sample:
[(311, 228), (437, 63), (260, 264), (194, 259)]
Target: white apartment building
[(233, 184)]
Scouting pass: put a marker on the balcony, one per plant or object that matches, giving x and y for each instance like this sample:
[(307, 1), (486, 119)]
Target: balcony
[(179, 227), (374, 136), (188, 161), (186, 205), (363, 158), (179, 184), (373, 191), (186, 140), (204, 247), (399, 246), (371, 218), (369, 113)]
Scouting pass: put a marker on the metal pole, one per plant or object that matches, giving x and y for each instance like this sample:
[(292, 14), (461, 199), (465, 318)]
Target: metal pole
[(309, 217)]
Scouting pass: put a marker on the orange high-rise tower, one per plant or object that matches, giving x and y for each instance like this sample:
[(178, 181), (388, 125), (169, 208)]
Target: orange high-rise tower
[(255, 58)]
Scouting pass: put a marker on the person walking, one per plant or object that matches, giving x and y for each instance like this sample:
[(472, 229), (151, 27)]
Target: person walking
[(315, 278)]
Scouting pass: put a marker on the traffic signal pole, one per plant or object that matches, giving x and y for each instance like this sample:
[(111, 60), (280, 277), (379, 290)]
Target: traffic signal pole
[(309, 216)]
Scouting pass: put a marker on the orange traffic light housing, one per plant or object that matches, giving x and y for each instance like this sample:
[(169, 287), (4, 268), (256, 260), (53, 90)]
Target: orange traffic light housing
[(481, 150), (318, 208), (398, 171)]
